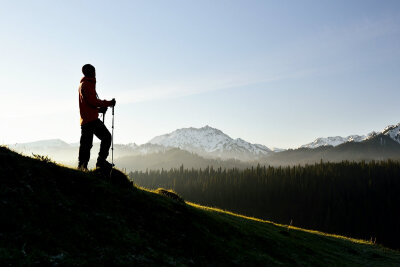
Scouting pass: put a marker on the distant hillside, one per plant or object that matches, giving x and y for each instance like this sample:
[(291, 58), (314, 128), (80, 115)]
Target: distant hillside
[(54, 148), (51, 215), (378, 147), (174, 158)]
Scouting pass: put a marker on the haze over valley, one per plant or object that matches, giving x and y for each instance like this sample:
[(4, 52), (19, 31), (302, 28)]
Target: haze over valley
[(208, 146)]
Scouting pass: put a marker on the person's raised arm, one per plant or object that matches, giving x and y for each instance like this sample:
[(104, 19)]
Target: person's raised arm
[(89, 94)]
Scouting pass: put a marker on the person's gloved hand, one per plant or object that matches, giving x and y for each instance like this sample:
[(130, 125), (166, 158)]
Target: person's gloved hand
[(113, 102), (103, 110)]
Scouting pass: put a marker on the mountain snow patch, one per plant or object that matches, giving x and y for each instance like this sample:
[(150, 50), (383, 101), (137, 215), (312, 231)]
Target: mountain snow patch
[(208, 140), (393, 131), (333, 141)]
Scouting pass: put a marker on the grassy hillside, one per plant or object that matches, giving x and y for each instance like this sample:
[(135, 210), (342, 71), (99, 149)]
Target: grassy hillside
[(51, 215)]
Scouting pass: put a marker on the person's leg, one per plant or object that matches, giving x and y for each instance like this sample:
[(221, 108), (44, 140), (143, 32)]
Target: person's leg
[(86, 144), (104, 135)]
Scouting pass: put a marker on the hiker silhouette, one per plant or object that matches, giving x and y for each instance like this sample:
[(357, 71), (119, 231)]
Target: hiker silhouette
[(89, 106)]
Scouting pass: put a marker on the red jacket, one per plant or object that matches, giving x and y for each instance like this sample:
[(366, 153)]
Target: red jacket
[(89, 101)]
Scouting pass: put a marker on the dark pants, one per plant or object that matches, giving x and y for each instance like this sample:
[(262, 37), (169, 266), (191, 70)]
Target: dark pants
[(97, 128)]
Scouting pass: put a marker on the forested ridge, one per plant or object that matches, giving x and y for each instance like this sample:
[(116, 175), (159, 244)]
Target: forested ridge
[(360, 200)]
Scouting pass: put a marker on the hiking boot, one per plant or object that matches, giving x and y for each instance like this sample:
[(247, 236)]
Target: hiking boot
[(83, 168), (104, 164)]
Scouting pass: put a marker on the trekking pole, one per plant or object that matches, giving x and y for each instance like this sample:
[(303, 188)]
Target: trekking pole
[(112, 138)]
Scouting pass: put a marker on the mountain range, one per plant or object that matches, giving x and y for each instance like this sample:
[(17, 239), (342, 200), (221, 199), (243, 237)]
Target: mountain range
[(200, 147)]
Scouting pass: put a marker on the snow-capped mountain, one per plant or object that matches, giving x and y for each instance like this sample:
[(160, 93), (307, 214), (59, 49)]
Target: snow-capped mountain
[(393, 131), (51, 143), (333, 141), (211, 141)]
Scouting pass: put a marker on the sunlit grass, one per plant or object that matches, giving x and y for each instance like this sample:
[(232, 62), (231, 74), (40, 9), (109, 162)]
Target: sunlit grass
[(286, 227), (359, 241)]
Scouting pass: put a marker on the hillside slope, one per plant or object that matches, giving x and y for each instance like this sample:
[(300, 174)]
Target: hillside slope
[(53, 215)]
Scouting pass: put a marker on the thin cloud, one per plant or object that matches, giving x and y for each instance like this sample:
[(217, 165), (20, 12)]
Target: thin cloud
[(152, 93)]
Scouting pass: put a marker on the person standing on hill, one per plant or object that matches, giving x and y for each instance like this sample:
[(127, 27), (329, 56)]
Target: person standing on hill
[(90, 106)]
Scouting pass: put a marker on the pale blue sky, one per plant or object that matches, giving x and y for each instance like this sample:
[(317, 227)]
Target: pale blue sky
[(279, 73)]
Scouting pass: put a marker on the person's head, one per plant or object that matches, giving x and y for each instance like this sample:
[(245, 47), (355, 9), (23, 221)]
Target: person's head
[(89, 71)]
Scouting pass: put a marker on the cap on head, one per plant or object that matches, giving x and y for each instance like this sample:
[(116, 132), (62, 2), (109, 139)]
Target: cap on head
[(88, 70)]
